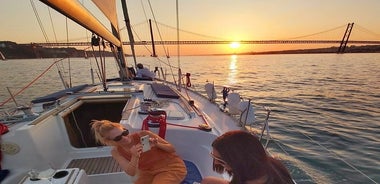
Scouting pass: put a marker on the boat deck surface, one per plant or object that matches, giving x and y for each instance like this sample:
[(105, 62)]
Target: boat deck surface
[(106, 165), (100, 165)]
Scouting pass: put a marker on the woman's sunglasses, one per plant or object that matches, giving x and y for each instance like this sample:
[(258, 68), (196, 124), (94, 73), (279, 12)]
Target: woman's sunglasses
[(124, 133), (217, 158)]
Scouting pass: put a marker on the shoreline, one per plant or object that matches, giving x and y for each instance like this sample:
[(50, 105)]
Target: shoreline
[(12, 50)]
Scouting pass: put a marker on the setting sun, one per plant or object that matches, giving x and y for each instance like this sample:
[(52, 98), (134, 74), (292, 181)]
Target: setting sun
[(234, 45)]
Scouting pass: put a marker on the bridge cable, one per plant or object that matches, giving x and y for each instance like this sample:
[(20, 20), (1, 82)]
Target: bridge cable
[(377, 35), (190, 32), (333, 29), (52, 24)]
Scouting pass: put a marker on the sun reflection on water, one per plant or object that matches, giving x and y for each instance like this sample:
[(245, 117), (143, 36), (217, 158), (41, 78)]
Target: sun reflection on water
[(233, 70)]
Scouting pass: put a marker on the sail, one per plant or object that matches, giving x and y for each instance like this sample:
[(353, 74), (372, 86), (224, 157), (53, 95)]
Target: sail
[(76, 12), (108, 7)]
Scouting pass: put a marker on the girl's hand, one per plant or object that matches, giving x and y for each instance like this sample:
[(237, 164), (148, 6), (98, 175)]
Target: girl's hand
[(136, 150), (153, 141)]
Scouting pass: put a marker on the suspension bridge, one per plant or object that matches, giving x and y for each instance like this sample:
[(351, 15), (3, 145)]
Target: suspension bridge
[(342, 42), (194, 42)]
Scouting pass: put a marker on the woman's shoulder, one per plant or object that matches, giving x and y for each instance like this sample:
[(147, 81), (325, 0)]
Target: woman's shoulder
[(114, 151), (146, 132)]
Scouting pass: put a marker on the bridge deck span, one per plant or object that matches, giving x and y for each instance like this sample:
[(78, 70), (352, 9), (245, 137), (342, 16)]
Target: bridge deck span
[(190, 42)]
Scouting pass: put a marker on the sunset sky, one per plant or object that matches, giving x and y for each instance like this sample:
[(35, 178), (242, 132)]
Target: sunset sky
[(210, 20)]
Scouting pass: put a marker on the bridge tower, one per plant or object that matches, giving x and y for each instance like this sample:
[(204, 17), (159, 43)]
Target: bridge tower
[(152, 38), (343, 43)]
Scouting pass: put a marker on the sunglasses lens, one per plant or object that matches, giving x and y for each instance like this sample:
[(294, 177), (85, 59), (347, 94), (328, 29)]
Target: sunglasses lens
[(125, 133), (118, 138)]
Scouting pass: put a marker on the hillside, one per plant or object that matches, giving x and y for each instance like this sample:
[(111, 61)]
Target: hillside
[(12, 50)]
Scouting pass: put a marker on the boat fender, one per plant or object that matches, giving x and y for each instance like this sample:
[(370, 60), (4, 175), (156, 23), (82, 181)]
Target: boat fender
[(233, 103), (210, 90)]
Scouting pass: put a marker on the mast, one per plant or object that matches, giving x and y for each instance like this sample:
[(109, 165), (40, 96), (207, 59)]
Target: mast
[(121, 62), (128, 25), (109, 10)]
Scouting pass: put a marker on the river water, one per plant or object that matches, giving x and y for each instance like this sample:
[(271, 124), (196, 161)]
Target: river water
[(325, 107)]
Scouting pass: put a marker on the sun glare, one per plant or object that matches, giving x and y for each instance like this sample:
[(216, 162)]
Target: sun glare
[(234, 45)]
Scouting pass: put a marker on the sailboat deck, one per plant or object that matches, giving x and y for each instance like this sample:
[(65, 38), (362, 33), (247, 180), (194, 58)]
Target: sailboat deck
[(106, 165), (100, 165)]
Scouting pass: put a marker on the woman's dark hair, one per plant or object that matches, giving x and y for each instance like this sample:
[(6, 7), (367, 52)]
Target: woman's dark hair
[(248, 160)]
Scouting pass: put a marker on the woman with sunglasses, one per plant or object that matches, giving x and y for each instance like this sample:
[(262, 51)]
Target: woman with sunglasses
[(158, 165), (243, 157)]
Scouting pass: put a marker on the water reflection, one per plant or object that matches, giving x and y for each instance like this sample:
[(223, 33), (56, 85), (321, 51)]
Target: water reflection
[(233, 70)]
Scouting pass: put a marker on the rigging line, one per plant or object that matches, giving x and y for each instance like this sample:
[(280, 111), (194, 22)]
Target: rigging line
[(160, 35), (339, 27), (142, 5), (68, 59), (138, 37), (163, 45), (183, 126), (167, 64), (134, 25), (67, 39), (33, 81), (158, 30), (39, 21), (103, 63), (178, 50), (336, 155), (78, 128), (186, 90), (150, 52), (90, 58), (62, 76), (52, 24), (97, 63)]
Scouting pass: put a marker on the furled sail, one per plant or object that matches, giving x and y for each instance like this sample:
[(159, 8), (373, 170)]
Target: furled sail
[(108, 7), (76, 12)]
